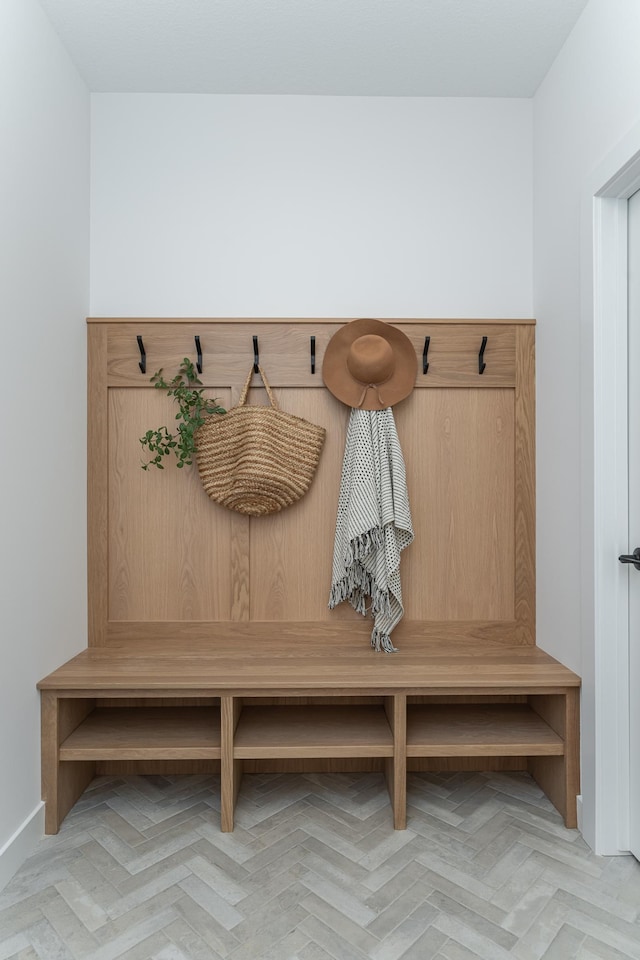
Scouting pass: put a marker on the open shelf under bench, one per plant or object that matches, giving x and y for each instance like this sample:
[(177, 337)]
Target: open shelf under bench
[(146, 733), (486, 730), (228, 704), (309, 730)]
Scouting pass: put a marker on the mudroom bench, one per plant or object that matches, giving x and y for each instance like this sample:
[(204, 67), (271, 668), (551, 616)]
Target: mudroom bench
[(211, 645), (262, 704)]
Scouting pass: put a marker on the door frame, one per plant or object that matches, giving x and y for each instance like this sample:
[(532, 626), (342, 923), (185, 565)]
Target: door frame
[(604, 498)]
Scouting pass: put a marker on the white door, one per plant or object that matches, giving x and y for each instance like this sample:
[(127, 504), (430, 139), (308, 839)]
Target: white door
[(634, 520)]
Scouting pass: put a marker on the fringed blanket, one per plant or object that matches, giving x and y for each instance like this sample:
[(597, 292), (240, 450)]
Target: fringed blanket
[(374, 523)]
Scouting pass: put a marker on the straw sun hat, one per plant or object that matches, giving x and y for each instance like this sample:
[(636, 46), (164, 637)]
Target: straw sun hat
[(370, 365)]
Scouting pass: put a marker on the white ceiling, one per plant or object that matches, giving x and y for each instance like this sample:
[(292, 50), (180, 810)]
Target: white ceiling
[(488, 48)]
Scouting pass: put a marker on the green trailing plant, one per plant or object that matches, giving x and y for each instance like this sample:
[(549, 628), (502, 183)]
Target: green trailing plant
[(193, 409)]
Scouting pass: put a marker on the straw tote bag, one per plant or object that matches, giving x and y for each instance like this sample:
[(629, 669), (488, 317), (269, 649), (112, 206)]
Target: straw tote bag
[(257, 460)]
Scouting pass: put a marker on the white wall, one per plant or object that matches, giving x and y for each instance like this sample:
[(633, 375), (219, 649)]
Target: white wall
[(44, 273), (586, 104), (310, 206)]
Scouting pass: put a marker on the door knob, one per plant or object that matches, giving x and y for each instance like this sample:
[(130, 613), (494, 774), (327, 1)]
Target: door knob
[(634, 558)]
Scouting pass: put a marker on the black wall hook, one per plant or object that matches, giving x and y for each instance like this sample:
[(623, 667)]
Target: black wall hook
[(143, 356), (481, 363), (256, 355), (425, 354), (313, 354), (199, 353)]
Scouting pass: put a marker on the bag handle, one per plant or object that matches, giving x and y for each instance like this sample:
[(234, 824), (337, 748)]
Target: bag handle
[(245, 389)]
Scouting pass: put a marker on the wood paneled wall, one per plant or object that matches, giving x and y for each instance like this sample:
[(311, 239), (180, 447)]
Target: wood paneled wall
[(165, 561)]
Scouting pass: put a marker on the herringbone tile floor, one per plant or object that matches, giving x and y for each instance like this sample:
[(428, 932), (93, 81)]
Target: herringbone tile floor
[(314, 871)]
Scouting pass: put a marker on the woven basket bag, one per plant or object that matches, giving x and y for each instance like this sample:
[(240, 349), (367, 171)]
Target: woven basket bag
[(257, 460)]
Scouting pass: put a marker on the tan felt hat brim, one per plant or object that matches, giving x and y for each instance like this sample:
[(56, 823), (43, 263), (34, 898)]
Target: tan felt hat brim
[(345, 387)]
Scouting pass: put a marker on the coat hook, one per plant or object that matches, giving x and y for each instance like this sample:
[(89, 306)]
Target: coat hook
[(143, 356), (199, 352), (256, 355), (425, 354), (481, 363), (313, 354)]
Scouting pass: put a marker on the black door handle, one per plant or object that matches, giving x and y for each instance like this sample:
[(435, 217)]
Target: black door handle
[(634, 558)]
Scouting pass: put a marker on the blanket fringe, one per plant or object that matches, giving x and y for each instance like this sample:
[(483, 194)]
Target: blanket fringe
[(382, 641), (356, 587), (362, 545)]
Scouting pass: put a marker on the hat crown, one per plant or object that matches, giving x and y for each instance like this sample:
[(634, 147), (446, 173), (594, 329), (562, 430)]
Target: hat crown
[(370, 359)]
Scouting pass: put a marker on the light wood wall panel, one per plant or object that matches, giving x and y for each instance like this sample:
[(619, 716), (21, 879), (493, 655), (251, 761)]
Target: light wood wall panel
[(168, 562), (169, 545), (459, 452)]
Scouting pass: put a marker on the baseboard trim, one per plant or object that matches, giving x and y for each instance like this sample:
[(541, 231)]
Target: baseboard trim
[(21, 845)]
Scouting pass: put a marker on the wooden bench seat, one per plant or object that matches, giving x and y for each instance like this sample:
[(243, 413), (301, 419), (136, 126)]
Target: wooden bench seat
[(248, 702)]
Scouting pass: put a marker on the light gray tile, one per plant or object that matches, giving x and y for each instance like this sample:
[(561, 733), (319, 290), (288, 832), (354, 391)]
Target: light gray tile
[(479, 905), (382, 844), (285, 948), (540, 934), (281, 892), (268, 933), (81, 901), (264, 857), (312, 951), (563, 853), (332, 839), (593, 949), (401, 940), (394, 865), (565, 945), (529, 907), (24, 913), (187, 940), (169, 952), (71, 931), (433, 834), (146, 948), (331, 942), (146, 892), (623, 937), (473, 920), (452, 950), (456, 875), (217, 879), (427, 946), (521, 880), (47, 944), (403, 907), (218, 908), (478, 944), (13, 945), (339, 898), (596, 893), (350, 932), (325, 859), (399, 886), (205, 926)]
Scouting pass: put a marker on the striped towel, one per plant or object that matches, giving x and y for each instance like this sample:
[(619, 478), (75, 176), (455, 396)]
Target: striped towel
[(373, 524)]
